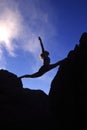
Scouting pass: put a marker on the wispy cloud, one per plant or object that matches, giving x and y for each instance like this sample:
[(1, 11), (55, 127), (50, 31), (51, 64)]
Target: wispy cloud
[(2, 59), (10, 27), (23, 23)]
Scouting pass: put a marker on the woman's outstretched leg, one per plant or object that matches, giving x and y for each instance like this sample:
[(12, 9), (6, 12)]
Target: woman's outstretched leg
[(37, 74)]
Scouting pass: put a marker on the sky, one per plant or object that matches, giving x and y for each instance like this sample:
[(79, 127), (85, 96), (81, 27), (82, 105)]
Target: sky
[(59, 23)]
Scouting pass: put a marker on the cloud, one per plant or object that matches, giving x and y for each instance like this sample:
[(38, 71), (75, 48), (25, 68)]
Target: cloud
[(2, 59), (14, 26), (9, 20), (9, 29), (24, 23)]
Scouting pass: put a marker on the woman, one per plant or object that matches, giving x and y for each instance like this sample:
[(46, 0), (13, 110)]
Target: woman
[(46, 64)]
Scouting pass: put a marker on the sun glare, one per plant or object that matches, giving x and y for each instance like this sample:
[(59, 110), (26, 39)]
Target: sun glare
[(4, 34)]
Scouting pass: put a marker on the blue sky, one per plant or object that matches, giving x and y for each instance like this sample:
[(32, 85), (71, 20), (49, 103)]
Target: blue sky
[(60, 24)]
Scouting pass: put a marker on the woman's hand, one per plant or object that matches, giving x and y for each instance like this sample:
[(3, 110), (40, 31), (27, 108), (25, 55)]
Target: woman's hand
[(39, 38)]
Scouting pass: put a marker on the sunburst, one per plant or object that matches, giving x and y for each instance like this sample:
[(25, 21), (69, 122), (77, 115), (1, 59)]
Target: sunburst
[(4, 33)]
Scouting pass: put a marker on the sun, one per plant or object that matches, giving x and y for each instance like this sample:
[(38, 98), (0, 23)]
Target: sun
[(4, 33)]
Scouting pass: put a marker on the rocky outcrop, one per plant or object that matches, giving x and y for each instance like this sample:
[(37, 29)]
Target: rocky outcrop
[(21, 107), (68, 93)]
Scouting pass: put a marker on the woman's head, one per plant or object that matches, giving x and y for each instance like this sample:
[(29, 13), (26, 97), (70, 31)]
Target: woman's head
[(45, 54)]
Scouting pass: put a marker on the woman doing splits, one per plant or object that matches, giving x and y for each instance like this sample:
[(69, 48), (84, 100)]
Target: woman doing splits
[(46, 64)]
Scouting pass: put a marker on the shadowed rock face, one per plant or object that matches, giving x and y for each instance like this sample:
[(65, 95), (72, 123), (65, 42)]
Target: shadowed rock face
[(68, 92), (8, 79), (21, 107)]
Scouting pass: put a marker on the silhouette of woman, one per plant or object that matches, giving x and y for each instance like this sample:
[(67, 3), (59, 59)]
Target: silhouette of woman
[(46, 64), (44, 55)]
